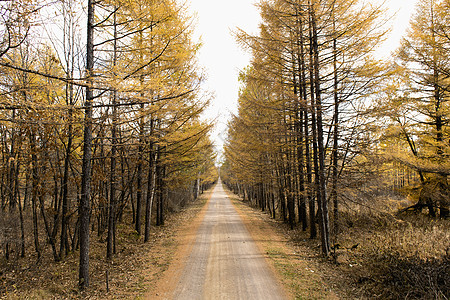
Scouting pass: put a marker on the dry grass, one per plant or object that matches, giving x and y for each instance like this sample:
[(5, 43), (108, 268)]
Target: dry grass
[(398, 257), (410, 260)]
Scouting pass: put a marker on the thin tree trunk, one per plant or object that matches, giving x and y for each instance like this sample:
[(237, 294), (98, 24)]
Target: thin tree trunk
[(160, 188), (313, 230), (110, 247), (139, 179), (64, 246), (321, 154), (35, 192), (334, 195), (150, 190), (84, 206), (50, 236), (70, 57)]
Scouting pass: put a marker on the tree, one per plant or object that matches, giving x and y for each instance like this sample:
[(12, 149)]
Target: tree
[(418, 106), (84, 206)]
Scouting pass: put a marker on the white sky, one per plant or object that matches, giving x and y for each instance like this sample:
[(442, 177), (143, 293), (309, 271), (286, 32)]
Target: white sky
[(222, 58)]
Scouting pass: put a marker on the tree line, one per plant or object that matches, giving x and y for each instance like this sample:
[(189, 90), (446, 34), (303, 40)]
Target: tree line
[(322, 123), (100, 107)]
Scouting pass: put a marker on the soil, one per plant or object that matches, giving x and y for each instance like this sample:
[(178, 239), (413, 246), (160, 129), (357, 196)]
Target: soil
[(224, 262)]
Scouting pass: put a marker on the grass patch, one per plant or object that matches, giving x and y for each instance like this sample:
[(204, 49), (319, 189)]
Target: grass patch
[(304, 282)]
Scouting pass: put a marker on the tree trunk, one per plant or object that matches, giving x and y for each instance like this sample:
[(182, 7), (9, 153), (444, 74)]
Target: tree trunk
[(110, 245), (150, 192), (321, 151), (34, 195), (84, 206), (22, 227), (64, 246), (315, 186), (334, 194), (159, 191)]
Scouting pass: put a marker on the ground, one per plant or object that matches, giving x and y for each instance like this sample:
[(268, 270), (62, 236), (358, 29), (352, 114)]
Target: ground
[(152, 270), (224, 262)]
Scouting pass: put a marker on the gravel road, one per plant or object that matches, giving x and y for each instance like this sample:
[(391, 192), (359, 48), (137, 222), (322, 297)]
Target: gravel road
[(225, 262)]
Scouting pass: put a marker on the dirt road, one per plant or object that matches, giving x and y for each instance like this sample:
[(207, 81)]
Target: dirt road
[(224, 262)]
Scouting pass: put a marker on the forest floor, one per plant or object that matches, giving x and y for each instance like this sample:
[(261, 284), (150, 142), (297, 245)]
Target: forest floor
[(379, 258), (134, 270)]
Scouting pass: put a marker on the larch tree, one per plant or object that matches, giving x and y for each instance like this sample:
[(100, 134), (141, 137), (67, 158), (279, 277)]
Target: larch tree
[(417, 103), (317, 75)]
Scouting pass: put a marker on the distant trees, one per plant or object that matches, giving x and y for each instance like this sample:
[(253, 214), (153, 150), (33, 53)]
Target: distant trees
[(93, 129)]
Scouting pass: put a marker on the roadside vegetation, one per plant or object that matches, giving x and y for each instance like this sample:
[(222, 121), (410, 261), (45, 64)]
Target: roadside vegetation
[(378, 256)]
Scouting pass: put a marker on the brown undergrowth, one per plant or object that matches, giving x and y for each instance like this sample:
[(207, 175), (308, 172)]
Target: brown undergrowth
[(407, 257), (133, 271)]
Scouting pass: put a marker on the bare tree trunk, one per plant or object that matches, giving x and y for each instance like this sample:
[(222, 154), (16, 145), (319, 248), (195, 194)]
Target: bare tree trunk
[(289, 177), (301, 142), (334, 195), (139, 175), (50, 236), (84, 206), (321, 154), (64, 246), (22, 227), (160, 188), (110, 246), (69, 33), (34, 195), (313, 230), (150, 188)]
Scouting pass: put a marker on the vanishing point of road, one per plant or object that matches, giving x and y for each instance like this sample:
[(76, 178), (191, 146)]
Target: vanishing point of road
[(225, 262)]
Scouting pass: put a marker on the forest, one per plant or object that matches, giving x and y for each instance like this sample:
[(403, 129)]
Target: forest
[(100, 108), (103, 135), (329, 137)]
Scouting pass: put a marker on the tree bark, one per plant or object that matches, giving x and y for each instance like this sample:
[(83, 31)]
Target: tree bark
[(313, 187), (84, 206), (334, 163), (321, 151), (110, 246), (150, 191)]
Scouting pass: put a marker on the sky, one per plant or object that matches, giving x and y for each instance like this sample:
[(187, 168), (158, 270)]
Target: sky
[(222, 58)]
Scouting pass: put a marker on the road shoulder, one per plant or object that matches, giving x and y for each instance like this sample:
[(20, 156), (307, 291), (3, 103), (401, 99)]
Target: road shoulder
[(294, 267)]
